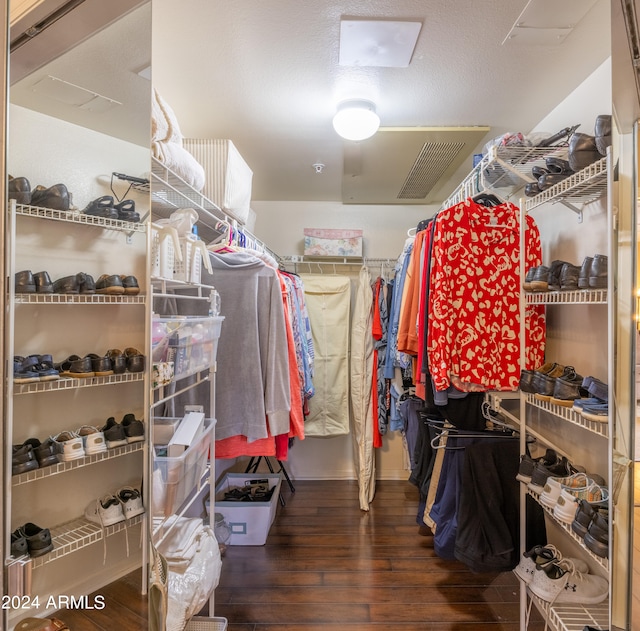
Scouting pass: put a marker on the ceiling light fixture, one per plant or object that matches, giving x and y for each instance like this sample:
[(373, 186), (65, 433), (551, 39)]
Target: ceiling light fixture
[(356, 119)]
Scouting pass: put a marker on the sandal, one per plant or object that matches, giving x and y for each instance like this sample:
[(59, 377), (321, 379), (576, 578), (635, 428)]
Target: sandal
[(76, 367), (101, 365), (102, 207), (24, 371), (127, 211)]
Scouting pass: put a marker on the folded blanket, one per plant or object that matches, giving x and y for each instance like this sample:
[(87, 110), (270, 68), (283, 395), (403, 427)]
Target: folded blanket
[(164, 124), (181, 162)]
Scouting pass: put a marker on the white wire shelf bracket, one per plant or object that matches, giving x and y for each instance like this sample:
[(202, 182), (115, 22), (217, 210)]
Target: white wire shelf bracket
[(603, 562), (569, 415), (77, 534), (80, 218), (571, 297), (67, 383), (563, 617), (64, 467), (82, 299), (584, 186)]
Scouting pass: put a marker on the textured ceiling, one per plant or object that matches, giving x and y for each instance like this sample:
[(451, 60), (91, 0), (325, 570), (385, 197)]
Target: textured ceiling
[(265, 74)]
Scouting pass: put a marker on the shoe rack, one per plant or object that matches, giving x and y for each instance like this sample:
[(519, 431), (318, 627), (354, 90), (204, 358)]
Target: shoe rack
[(593, 184), (54, 497)]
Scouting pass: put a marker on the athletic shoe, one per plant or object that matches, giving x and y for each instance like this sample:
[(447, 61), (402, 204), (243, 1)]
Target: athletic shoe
[(596, 412), (560, 582), (131, 501), (114, 433), (69, 446), (561, 469), (527, 464), (567, 504), (540, 557), (578, 482), (133, 428), (105, 511), (93, 439)]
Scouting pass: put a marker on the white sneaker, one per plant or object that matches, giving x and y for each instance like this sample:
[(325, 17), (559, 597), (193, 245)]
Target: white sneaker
[(69, 446), (93, 439), (553, 487), (131, 501), (561, 582), (105, 511), (540, 557)]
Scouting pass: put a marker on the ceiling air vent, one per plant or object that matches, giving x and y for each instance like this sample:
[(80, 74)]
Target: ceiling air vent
[(431, 163)]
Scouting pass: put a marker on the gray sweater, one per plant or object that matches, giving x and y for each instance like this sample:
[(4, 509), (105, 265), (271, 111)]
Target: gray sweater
[(252, 378)]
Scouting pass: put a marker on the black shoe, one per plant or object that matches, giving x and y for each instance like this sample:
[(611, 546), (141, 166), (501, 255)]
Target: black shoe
[(20, 190), (55, 197), (43, 283), (540, 280), (130, 284), (598, 272), (554, 274), (597, 536), (568, 388), (133, 428), (23, 459), (38, 539), (585, 272), (67, 285), (109, 284), (86, 284), (569, 275), (25, 283), (19, 546), (45, 452), (541, 472)]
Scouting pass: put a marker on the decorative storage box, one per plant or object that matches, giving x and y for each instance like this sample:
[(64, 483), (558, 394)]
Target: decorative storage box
[(191, 343), (175, 478), (328, 242), (249, 521), (228, 178)]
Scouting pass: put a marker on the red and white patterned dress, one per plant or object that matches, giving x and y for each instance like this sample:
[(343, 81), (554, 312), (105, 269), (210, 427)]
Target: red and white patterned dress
[(473, 339)]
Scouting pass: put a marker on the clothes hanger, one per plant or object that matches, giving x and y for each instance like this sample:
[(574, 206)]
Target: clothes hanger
[(412, 232)]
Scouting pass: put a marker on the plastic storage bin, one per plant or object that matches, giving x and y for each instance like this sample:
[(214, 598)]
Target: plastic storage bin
[(249, 521), (201, 623), (190, 343), (175, 478)]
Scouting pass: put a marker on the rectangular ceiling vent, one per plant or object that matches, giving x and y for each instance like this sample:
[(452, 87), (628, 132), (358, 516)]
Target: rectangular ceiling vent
[(432, 161)]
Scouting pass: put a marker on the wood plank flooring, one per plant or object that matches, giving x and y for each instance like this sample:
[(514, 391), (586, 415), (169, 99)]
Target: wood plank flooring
[(327, 566)]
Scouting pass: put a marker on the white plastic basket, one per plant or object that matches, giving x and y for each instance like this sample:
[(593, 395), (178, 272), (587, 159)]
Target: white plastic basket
[(200, 623), (163, 251), (190, 268)]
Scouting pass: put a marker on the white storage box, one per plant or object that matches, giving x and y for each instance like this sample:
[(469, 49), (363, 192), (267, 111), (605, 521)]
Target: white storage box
[(201, 623), (228, 178), (190, 343), (329, 242), (175, 478), (249, 521)]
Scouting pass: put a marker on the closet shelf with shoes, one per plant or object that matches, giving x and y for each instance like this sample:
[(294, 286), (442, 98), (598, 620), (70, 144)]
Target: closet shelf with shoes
[(584, 186), (65, 383), (552, 392), (78, 217), (64, 467), (77, 534), (568, 414), (90, 299)]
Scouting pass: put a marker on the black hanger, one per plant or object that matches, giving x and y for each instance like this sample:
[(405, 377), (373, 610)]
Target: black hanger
[(487, 199)]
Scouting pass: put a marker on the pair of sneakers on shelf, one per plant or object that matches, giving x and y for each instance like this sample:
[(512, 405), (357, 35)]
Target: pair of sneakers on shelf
[(113, 508), (88, 439), (595, 406), (555, 579)]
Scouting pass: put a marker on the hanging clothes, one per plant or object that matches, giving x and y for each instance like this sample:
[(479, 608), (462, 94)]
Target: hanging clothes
[(361, 390), (474, 318), (379, 388), (328, 300), (252, 352)]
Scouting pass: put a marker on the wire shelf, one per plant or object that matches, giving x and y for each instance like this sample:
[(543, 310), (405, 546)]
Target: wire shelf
[(573, 617), (573, 297), (90, 299), (81, 218), (163, 288), (77, 534), (603, 562), (65, 383), (584, 186), (568, 414), (64, 467)]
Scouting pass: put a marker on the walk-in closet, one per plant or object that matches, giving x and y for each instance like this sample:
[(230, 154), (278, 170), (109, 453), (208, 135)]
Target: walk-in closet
[(267, 371)]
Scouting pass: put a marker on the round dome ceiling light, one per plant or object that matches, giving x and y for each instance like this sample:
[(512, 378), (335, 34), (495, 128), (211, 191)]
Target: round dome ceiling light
[(356, 119)]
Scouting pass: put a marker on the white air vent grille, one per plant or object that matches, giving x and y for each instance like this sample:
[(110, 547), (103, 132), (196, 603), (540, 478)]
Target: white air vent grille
[(431, 163)]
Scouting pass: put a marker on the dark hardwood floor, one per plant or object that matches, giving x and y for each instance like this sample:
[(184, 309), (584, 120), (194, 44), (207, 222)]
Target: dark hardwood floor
[(327, 566)]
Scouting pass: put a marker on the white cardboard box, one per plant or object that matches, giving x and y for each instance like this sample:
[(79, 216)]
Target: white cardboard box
[(249, 521)]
